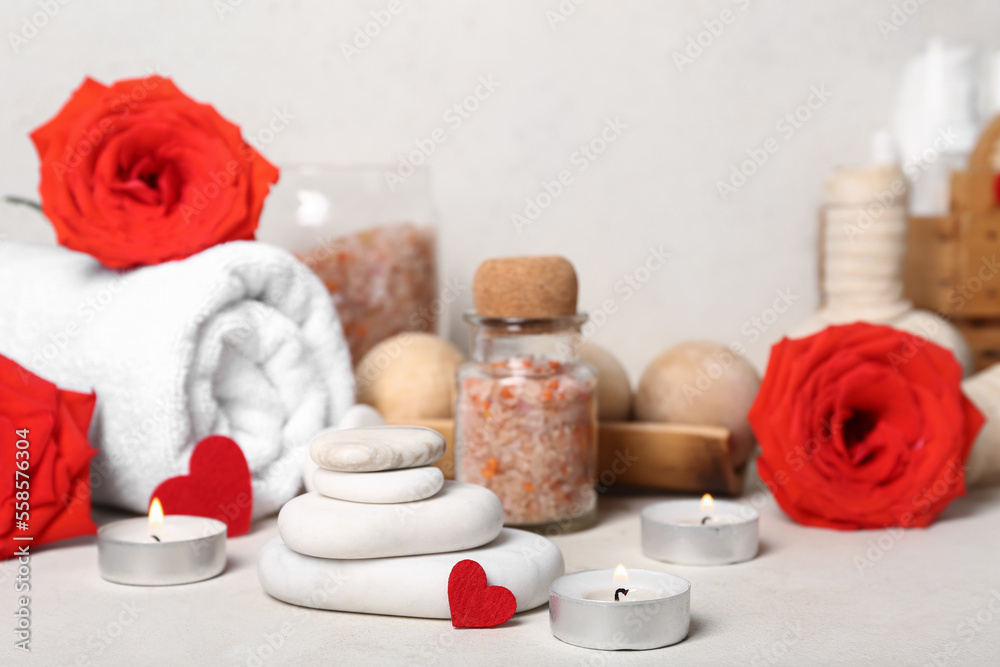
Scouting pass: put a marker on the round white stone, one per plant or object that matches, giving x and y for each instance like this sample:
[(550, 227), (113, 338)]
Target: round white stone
[(389, 486), (417, 586), (460, 516), (377, 448), (357, 416)]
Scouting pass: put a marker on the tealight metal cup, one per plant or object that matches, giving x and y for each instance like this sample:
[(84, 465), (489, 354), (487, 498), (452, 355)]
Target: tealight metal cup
[(671, 532), (193, 549), (622, 625)]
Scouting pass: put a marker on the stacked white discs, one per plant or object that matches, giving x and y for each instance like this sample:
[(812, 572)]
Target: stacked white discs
[(390, 486), (382, 513), (864, 244), (864, 250)]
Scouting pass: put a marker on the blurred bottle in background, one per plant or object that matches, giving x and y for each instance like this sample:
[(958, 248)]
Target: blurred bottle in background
[(938, 119)]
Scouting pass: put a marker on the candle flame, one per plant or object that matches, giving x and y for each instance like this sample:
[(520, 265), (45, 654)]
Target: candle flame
[(707, 503), (621, 577), (155, 515)]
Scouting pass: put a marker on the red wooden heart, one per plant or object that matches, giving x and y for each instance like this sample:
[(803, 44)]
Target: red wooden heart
[(217, 486), (473, 603)]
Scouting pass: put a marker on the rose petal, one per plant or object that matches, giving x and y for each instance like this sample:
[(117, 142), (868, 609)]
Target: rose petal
[(863, 426), (138, 173)]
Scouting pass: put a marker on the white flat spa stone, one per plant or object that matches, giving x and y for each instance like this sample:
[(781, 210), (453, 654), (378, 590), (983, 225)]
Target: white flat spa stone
[(389, 486), (460, 516), (357, 416), (415, 586), (377, 448)]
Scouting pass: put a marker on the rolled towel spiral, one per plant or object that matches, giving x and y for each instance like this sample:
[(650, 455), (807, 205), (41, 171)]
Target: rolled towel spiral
[(239, 340)]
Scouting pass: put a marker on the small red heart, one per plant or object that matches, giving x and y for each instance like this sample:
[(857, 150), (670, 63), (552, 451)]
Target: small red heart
[(473, 603), (217, 486)]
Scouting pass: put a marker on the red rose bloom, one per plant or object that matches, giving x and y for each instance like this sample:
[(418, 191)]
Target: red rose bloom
[(863, 426), (45, 459), (139, 173)]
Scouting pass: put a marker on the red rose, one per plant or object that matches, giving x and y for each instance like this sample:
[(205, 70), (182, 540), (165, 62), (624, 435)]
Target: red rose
[(863, 426), (139, 173), (45, 459)]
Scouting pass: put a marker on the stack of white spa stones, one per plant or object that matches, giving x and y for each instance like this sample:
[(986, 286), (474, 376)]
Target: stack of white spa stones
[(384, 529)]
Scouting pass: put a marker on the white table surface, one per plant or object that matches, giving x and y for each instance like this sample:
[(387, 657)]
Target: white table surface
[(803, 601)]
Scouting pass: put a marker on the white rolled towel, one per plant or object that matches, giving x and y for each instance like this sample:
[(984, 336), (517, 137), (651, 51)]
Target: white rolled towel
[(239, 340)]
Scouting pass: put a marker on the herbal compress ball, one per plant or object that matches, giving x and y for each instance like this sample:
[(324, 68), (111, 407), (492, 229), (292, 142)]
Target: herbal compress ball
[(701, 382), (614, 392), (409, 376)]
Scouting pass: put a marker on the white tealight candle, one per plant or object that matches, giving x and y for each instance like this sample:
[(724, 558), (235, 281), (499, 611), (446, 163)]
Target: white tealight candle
[(709, 532), (629, 595), (707, 521), (620, 591), (655, 612), (161, 550)]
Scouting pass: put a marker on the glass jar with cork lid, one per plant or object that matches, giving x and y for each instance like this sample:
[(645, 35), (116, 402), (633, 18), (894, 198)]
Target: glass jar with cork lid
[(526, 417)]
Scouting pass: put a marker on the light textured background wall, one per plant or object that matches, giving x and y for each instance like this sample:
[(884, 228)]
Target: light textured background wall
[(655, 185)]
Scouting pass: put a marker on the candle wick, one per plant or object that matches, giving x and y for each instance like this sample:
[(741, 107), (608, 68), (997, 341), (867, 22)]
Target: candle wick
[(704, 520), (623, 591), (154, 537)]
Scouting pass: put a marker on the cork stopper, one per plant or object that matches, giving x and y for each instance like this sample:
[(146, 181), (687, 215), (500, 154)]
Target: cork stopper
[(525, 287)]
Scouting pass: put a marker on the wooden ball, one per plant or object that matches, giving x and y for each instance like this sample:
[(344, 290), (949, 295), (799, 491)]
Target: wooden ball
[(409, 376), (614, 391), (528, 287), (701, 382)]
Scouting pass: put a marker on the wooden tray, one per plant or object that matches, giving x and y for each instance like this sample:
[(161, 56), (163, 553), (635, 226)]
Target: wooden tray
[(983, 337), (672, 457)]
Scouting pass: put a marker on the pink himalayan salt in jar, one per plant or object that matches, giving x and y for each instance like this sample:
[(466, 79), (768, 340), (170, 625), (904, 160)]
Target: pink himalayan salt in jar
[(369, 238), (383, 281), (526, 421)]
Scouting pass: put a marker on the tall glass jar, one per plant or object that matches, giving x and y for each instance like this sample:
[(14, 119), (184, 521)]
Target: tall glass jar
[(526, 421), (373, 245)]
